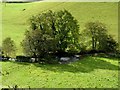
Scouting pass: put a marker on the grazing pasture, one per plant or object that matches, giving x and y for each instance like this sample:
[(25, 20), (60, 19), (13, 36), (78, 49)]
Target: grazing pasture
[(15, 16), (89, 72)]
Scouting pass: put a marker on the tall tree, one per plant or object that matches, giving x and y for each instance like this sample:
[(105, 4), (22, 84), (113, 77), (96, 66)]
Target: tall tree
[(100, 38), (51, 32), (97, 31)]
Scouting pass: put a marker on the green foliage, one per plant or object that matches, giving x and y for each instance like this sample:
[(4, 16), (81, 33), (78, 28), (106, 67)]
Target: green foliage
[(60, 25), (8, 47), (67, 31), (100, 39), (50, 32), (37, 44), (108, 44), (96, 31)]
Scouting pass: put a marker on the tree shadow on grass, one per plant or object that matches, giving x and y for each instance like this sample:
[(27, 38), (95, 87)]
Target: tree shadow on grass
[(84, 65), (22, 63), (114, 58), (111, 58)]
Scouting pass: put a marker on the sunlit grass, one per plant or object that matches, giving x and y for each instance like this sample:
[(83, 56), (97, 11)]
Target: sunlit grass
[(89, 72)]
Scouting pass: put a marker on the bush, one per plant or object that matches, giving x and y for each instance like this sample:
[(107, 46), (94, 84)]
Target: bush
[(8, 47)]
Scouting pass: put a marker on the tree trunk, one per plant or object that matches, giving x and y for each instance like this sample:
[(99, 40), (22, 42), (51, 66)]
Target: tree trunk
[(93, 43), (35, 56)]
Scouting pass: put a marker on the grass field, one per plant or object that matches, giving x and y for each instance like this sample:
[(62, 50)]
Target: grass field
[(15, 20), (89, 72)]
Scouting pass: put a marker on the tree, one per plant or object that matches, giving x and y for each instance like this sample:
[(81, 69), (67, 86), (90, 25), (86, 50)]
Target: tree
[(100, 39), (51, 32), (8, 47), (60, 25), (37, 44), (97, 31)]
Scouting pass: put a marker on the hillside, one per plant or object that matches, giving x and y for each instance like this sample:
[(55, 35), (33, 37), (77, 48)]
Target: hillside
[(89, 72), (15, 16)]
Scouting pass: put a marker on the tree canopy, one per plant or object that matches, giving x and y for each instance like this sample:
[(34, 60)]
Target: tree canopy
[(60, 25), (51, 32), (8, 47), (100, 38)]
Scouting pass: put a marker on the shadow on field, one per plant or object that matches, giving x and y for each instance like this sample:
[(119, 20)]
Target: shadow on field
[(85, 65), (110, 57), (22, 63)]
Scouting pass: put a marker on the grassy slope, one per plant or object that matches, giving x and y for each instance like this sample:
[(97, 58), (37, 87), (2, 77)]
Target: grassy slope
[(89, 72), (15, 19)]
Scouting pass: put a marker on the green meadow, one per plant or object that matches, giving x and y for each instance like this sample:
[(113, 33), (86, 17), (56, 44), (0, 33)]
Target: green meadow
[(89, 72), (15, 19)]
